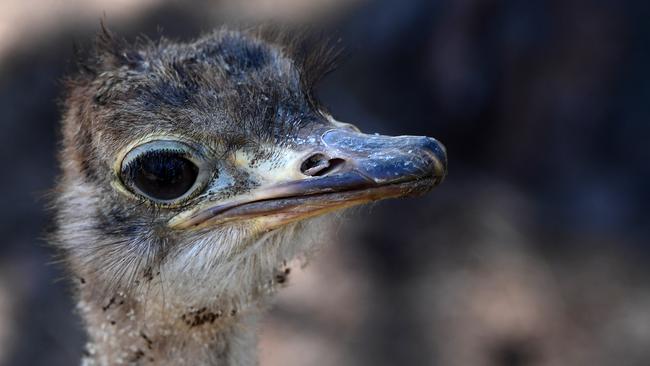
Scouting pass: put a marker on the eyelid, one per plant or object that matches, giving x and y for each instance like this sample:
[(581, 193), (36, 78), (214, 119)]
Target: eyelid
[(161, 145)]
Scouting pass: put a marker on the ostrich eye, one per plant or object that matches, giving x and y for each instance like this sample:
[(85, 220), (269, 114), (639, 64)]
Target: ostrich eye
[(163, 171), (162, 175)]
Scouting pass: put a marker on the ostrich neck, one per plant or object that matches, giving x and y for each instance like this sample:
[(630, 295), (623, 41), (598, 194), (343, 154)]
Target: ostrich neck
[(126, 330)]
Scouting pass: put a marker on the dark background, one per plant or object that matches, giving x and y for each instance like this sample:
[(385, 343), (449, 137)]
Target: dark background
[(532, 252)]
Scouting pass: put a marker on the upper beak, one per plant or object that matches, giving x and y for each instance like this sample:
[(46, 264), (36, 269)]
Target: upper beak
[(344, 168)]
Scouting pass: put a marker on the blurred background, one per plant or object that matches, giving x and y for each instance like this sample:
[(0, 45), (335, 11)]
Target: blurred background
[(533, 252)]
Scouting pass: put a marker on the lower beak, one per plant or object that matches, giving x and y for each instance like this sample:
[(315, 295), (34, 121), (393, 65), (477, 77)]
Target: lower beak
[(346, 168)]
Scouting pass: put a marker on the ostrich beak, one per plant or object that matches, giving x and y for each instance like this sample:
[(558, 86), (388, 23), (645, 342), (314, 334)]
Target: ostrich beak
[(343, 168)]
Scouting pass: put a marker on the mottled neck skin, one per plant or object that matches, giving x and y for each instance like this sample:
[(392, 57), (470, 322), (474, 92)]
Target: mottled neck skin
[(195, 302), (132, 330)]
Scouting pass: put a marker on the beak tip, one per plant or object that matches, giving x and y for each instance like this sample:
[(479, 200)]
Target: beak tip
[(438, 153)]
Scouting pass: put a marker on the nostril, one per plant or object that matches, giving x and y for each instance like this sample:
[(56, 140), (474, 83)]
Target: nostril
[(319, 165)]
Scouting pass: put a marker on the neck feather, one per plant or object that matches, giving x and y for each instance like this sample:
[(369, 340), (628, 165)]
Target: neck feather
[(124, 329)]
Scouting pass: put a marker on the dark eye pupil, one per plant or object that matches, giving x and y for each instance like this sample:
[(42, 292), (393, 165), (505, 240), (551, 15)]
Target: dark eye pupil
[(163, 175)]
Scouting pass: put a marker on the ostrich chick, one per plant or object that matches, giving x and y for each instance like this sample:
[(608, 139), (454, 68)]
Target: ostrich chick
[(191, 172)]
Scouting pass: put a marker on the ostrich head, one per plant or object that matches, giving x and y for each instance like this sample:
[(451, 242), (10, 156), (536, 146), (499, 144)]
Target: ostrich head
[(193, 172)]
